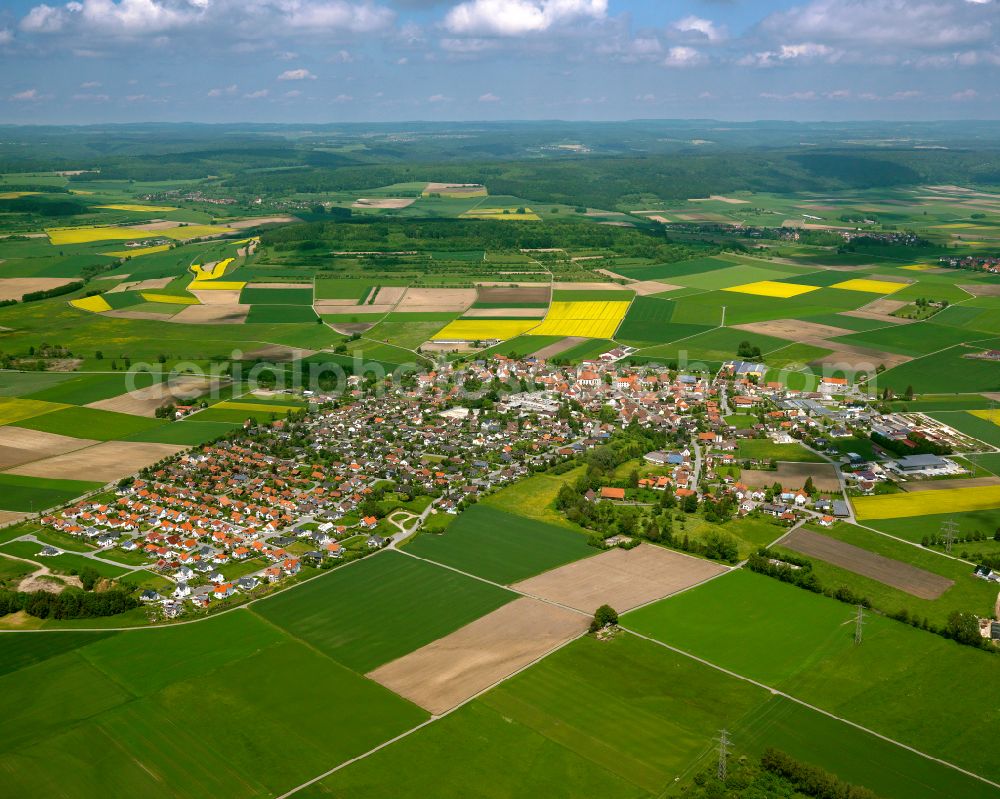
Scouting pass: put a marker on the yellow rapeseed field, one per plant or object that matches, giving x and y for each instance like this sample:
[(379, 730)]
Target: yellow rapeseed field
[(231, 405), (97, 304), (140, 208), (592, 319), (13, 195), (918, 267), (85, 235), (217, 285), (483, 329), (173, 299), (214, 273), (137, 251), (989, 416), (14, 409), (508, 214), (771, 288), (923, 503), (870, 286)]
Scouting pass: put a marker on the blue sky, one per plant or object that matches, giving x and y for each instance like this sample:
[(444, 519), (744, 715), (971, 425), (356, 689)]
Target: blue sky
[(388, 60)]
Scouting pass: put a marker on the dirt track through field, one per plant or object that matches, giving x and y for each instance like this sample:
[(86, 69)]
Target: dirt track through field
[(621, 578), (894, 573), (452, 669), (102, 463), (792, 476)]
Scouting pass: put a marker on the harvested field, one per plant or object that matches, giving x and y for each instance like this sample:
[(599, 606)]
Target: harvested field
[(646, 287), (145, 401), (860, 357), (104, 462), (792, 476), (212, 314), (510, 294), (455, 668), (218, 296), (914, 581), (945, 485), (504, 313), (20, 445), (322, 305), (431, 300), (141, 285), (384, 202), (560, 286), (981, 289), (278, 352), (621, 578), (11, 516), (559, 347), (13, 288), (794, 329), (389, 295)]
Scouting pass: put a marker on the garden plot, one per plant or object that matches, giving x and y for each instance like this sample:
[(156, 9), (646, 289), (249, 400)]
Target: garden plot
[(621, 578), (19, 445), (427, 300), (145, 401), (13, 288), (793, 476), (453, 669), (895, 573), (104, 462)]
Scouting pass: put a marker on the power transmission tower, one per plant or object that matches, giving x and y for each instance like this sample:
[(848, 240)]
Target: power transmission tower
[(859, 625), (949, 529), (724, 743)]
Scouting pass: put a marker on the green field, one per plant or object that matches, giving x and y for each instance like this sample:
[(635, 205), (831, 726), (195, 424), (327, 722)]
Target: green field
[(947, 368), (281, 314), (103, 716), (251, 295), (35, 494), (83, 389), (802, 643), (500, 546), (97, 424), (766, 449), (67, 563), (184, 432), (381, 608)]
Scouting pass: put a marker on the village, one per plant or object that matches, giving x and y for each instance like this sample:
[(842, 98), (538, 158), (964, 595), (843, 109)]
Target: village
[(366, 470)]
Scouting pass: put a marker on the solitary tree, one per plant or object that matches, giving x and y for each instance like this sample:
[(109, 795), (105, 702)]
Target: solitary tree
[(603, 617)]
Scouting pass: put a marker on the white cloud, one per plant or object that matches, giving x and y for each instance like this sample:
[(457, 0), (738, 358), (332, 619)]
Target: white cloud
[(228, 91), (6, 36), (343, 98), (293, 94), (86, 97), (489, 97), (966, 94), (257, 95), (804, 51), (336, 14), (27, 96), (683, 57), (135, 98), (519, 17), (799, 96), (296, 74), (438, 98), (129, 17), (91, 84), (702, 27)]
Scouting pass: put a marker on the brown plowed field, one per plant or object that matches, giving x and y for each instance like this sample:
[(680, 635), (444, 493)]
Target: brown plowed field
[(621, 578), (894, 573), (513, 295), (792, 476), (455, 668), (102, 463)]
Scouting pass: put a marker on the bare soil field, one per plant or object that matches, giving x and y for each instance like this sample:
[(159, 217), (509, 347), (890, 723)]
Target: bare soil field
[(13, 288), (212, 314), (895, 573), (661, 219), (11, 516), (944, 485), (513, 294), (454, 188), (646, 287), (278, 352), (589, 286), (243, 224), (792, 476), (104, 462), (141, 285), (349, 329), (430, 300), (559, 346), (860, 357), (344, 303), (879, 309), (510, 313), (982, 289), (719, 199), (621, 578), (385, 202), (349, 310), (794, 329), (389, 295), (19, 445), (218, 296), (455, 668), (616, 276), (145, 401)]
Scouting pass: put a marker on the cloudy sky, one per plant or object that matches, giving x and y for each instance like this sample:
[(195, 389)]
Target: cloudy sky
[(385, 60)]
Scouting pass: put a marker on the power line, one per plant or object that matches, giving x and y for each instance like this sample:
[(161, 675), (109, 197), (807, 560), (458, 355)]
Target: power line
[(949, 531), (724, 744), (859, 625)]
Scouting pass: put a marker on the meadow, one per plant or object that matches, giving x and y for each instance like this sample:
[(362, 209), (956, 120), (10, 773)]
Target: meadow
[(765, 449), (39, 493), (380, 608), (500, 546)]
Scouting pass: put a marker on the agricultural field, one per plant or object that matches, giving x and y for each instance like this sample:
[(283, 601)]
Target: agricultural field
[(802, 643), (588, 319), (500, 546), (921, 503)]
